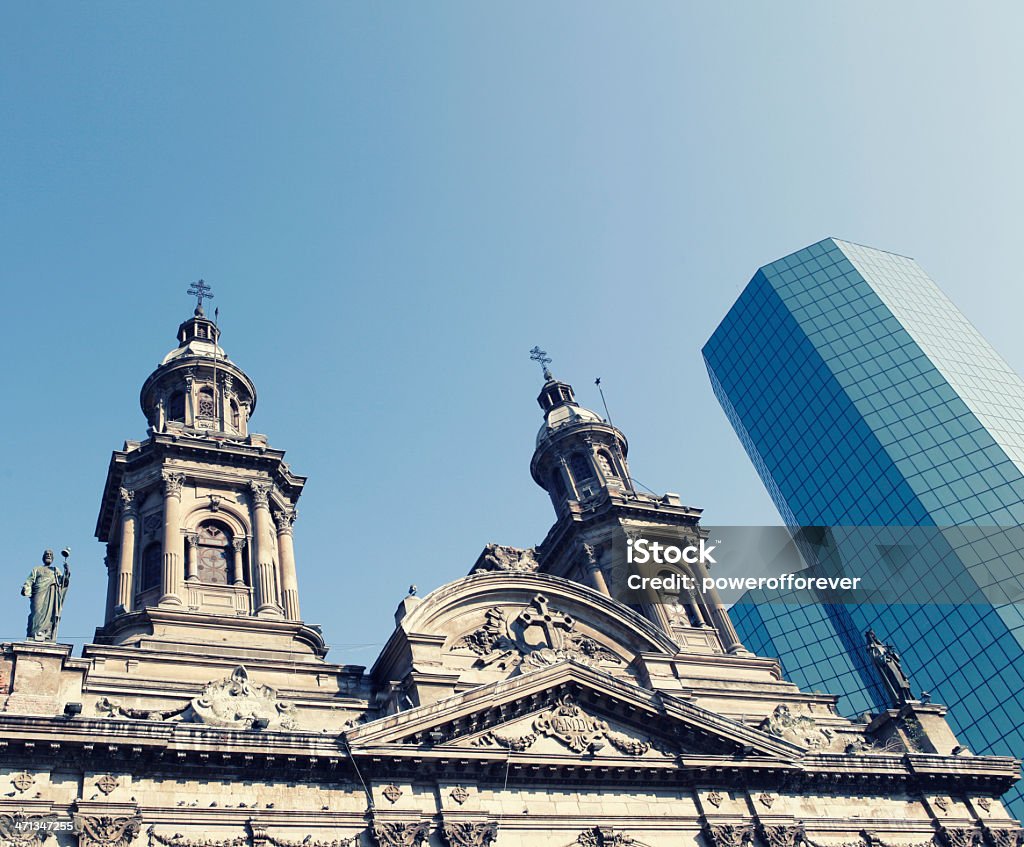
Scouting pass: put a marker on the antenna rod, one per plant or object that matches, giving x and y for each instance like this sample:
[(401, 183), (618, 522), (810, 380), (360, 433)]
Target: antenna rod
[(607, 414), (216, 344)]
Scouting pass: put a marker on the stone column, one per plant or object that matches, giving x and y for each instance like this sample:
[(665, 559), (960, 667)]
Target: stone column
[(720, 617), (113, 565), (567, 478), (594, 569), (237, 569), (126, 560), (190, 398), (224, 400), (171, 576), (265, 579), (192, 565), (286, 551)]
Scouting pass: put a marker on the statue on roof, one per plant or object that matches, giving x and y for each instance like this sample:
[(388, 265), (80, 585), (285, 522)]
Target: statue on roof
[(46, 588), (889, 665)]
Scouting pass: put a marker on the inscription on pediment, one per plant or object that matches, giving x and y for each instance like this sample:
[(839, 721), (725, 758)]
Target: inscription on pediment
[(537, 637)]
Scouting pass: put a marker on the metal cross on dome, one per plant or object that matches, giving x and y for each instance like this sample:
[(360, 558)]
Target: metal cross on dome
[(543, 359), (200, 290)]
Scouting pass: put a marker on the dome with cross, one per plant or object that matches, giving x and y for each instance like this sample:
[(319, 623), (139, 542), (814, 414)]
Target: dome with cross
[(196, 387)]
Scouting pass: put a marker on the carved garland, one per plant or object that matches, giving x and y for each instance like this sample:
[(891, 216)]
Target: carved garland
[(794, 835), (257, 836)]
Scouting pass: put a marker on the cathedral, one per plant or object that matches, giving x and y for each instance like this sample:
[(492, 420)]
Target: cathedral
[(522, 704)]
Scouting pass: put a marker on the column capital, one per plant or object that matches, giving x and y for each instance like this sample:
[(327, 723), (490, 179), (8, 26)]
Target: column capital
[(172, 483), (260, 494), (285, 518), (129, 505), (238, 544), (193, 540)]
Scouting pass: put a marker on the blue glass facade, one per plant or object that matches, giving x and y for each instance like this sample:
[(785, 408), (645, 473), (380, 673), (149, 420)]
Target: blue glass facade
[(865, 398)]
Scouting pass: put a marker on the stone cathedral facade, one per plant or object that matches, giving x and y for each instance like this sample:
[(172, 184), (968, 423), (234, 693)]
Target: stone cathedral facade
[(520, 705)]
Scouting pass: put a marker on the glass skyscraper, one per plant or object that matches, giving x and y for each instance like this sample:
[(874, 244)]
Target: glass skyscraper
[(865, 398)]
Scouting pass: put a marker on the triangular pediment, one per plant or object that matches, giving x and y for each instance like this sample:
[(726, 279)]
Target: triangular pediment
[(570, 711)]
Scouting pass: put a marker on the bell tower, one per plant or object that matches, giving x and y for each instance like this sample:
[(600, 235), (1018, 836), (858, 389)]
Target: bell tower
[(198, 517), (580, 460)]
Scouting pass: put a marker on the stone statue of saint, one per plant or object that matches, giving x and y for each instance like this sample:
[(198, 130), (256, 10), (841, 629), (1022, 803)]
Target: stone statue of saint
[(887, 660), (46, 586)]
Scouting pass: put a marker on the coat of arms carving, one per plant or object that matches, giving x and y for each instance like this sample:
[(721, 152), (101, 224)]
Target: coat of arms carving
[(539, 636), (237, 702), (800, 729)]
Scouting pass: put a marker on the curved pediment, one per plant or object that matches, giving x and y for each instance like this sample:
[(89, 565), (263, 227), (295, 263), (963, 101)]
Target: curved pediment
[(490, 626)]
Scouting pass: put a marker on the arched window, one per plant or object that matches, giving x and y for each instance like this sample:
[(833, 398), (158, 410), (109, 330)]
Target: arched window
[(212, 555), (206, 407), (580, 467), (176, 407), (604, 461), (151, 567), (236, 417)]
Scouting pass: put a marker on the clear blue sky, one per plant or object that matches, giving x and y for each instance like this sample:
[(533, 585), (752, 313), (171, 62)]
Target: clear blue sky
[(394, 202)]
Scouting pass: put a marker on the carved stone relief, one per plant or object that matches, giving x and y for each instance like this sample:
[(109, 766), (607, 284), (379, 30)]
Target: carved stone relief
[(107, 830), (1003, 837), (391, 834), (800, 729), (234, 702), (539, 636), (782, 836), (500, 557), (603, 836), (469, 834), (953, 836), (23, 781), (256, 836), (566, 722), (728, 835), (21, 830)]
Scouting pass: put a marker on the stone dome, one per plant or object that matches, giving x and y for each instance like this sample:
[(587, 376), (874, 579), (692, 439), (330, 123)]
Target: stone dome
[(565, 415)]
